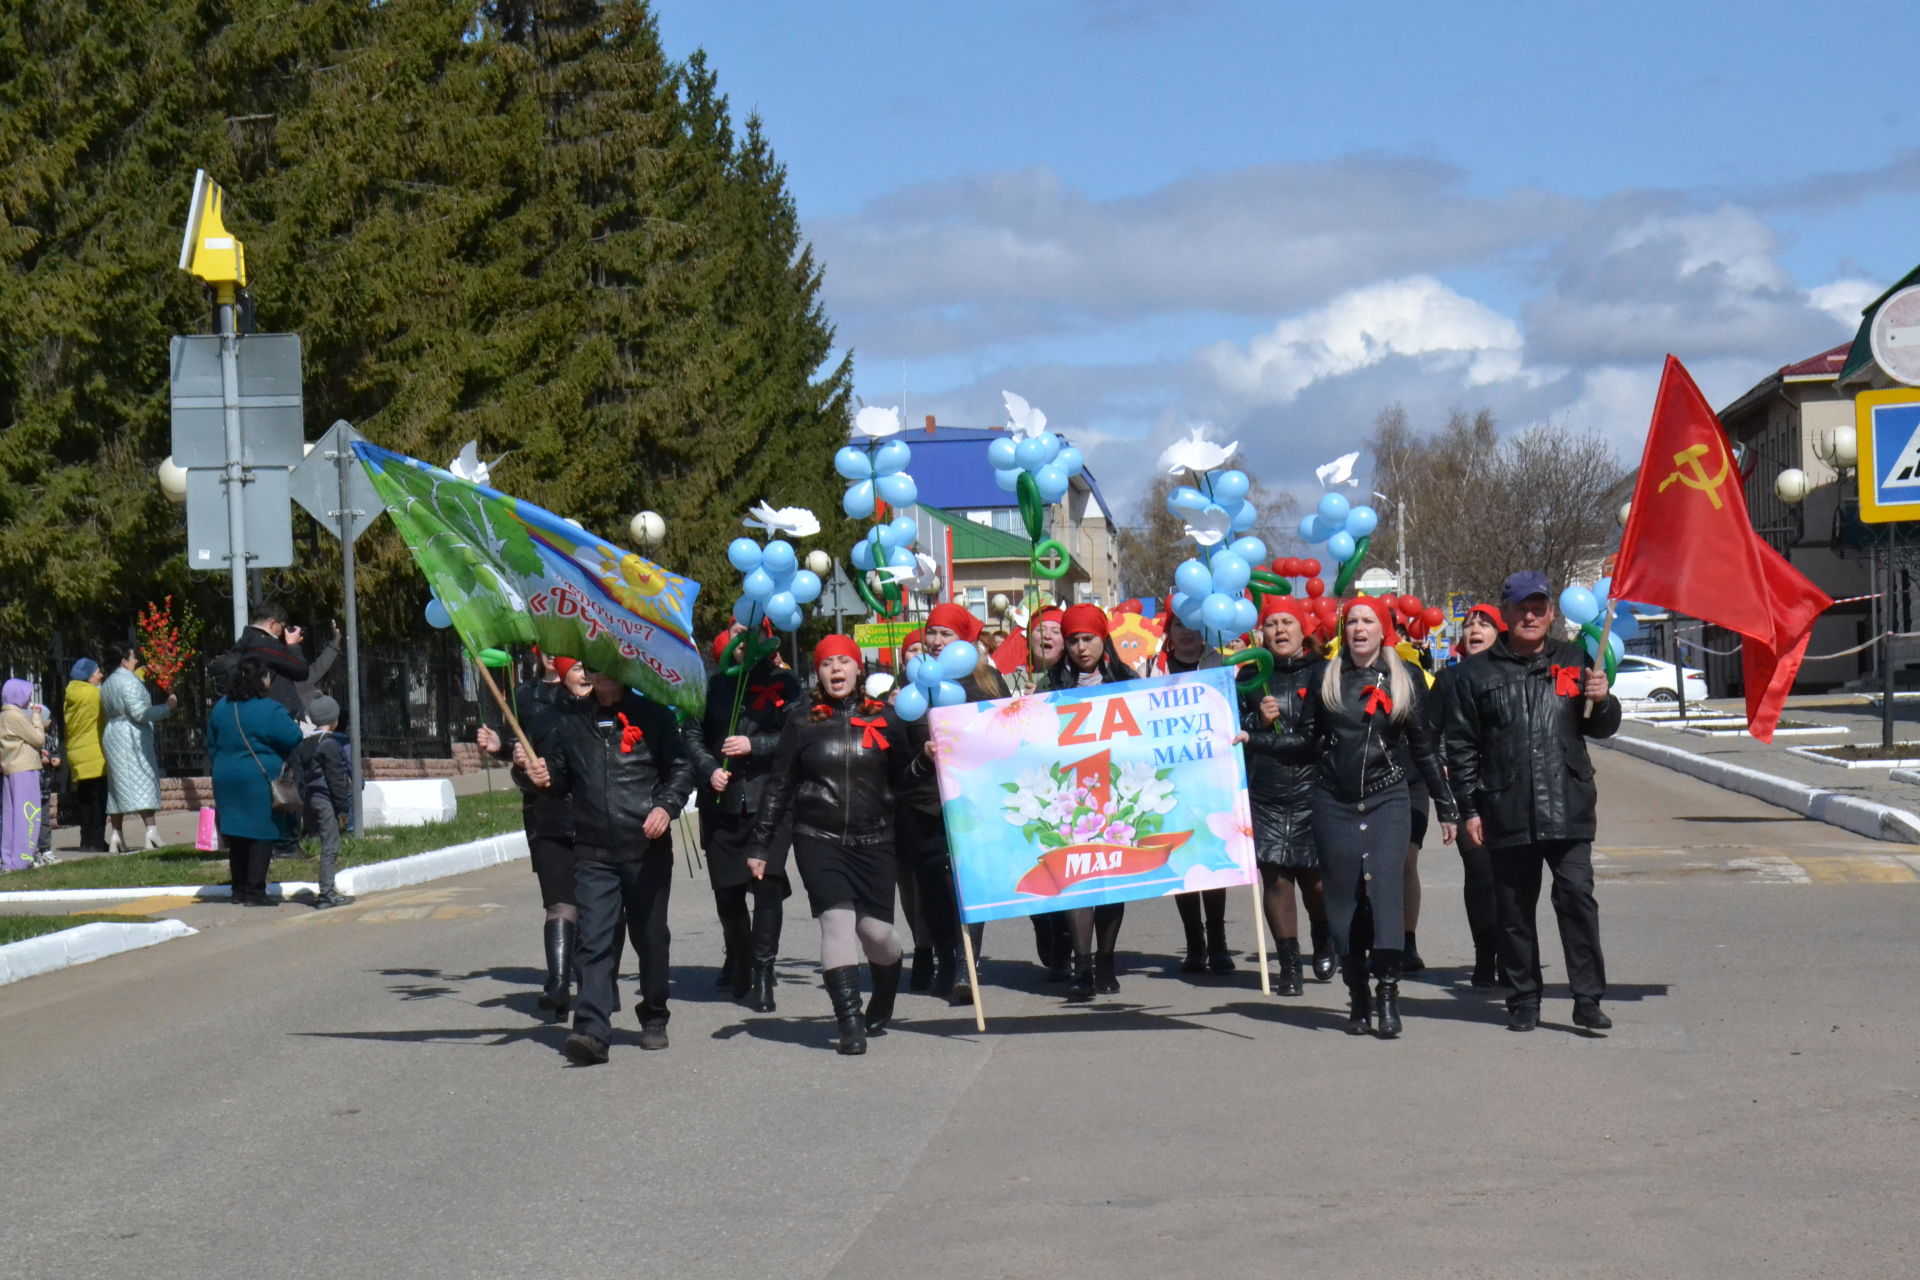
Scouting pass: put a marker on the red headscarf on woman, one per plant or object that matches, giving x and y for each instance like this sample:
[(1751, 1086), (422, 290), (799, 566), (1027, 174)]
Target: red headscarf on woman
[(912, 638), (1309, 624), (1490, 613), (1381, 609), (1085, 619), (955, 618), (835, 647)]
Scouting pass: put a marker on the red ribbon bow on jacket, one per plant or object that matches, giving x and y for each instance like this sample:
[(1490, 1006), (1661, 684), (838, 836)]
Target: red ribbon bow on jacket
[(1376, 701), (870, 735), (1567, 682), (630, 735), (766, 695)]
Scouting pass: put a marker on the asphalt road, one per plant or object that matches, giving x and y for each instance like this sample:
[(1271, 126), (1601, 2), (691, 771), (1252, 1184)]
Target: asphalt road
[(369, 1092)]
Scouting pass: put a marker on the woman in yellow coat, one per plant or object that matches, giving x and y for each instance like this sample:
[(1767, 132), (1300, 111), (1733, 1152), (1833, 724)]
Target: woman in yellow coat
[(86, 758)]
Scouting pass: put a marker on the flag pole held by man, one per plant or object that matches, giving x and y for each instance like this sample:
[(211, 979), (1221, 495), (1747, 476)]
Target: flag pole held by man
[(1690, 547)]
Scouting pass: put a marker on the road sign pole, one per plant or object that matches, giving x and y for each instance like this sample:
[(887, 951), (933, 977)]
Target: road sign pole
[(1892, 614), (236, 468), (344, 462)]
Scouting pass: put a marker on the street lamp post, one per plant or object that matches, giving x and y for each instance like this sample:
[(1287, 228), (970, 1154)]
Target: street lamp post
[(1402, 517)]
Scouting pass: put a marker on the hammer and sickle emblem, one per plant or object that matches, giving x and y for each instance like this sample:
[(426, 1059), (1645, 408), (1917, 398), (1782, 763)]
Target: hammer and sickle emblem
[(1689, 459)]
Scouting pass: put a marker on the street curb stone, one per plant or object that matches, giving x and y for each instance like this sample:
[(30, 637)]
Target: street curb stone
[(454, 860), (81, 944), (1862, 817)]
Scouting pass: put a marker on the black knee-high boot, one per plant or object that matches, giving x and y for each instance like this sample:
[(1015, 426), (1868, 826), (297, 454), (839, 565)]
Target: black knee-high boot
[(1322, 950), (1219, 957), (559, 937), (1290, 967), (843, 985), (1386, 993), (765, 938), (1188, 904), (1353, 968), (886, 982), (736, 975)]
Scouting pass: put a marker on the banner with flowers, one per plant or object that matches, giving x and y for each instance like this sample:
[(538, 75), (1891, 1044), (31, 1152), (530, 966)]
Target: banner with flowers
[(1101, 794)]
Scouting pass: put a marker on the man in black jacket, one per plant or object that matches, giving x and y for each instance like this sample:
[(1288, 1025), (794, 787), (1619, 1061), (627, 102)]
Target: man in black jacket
[(1518, 719), (619, 757), (270, 639)]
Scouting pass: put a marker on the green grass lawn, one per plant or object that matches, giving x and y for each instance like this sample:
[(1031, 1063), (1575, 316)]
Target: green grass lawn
[(485, 814), (20, 928)]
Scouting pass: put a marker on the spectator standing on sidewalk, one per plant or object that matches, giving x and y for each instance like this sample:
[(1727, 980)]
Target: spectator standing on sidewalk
[(326, 785), (277, 645), (1517, 725), (133, 770), (86, 758), (23, 732), (249, 736)]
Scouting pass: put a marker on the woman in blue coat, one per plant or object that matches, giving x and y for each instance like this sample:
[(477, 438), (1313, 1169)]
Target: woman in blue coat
[(249, 737)]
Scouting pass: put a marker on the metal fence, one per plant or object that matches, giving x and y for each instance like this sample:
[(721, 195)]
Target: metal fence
[(416, 701)]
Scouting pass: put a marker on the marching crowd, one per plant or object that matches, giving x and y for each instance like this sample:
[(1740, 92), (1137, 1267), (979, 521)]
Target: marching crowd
[(1348, 744)]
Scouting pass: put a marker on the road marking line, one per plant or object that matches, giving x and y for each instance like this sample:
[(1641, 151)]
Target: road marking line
[(1869, 869), (1776, 869)]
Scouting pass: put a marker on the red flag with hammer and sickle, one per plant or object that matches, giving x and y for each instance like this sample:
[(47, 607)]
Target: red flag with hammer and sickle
[(1690, 547)]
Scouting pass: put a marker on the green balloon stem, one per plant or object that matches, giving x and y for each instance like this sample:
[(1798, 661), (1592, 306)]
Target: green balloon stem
[(1351, 567), (1262, 663), (1608, 662), (495, 658)]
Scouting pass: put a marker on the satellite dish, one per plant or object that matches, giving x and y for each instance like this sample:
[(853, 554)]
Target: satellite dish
[(1894, 336)]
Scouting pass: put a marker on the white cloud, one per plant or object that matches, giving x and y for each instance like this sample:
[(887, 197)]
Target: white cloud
[(1419, 317), (1844, 300)]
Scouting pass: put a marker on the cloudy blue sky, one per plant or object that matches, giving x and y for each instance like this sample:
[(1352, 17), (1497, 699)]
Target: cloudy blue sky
[(1279, 218)]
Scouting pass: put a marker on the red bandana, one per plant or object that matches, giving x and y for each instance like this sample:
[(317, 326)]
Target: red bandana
[(1376, 701), (1566, 682), (766, 695), (630, 735), (870, 735)]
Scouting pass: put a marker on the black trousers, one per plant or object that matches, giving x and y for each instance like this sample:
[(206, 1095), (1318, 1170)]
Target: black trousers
[(1516, 881), (247, 861), (640, 888), (90, 813)]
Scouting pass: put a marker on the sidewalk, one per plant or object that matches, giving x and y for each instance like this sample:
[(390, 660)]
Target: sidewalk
[(1871, 801)]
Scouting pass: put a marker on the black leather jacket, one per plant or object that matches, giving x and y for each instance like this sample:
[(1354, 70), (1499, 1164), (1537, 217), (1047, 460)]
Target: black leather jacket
[(618, 764), (1280, 758), (547, 815), (1516, 743), (839, 778), (772, 693), (1360, 750)]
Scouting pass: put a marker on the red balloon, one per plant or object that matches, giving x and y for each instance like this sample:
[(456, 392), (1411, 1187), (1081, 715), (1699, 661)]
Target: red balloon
[(1410, 605), (1417, 629), (1433, 616), (1287, 566), (1311, 568), (1316, 588)]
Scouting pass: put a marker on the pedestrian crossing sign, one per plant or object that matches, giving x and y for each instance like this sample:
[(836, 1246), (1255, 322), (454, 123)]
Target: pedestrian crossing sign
[(1887, 433)]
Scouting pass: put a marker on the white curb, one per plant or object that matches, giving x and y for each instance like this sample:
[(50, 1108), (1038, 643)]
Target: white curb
[(1862, 817), (453, 860), (80, 944)]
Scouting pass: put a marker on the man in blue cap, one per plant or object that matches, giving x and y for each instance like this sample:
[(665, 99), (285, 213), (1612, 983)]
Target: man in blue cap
[(1517, 724)]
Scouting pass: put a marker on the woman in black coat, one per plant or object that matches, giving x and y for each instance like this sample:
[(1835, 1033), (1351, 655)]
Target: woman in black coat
[(1478, 632), (838, 775), (733, 763), (1280, 782), (1089, 660), (1365, 704)]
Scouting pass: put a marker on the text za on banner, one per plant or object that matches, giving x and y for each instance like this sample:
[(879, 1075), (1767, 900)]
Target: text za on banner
[(511, 573), (1104, 794)]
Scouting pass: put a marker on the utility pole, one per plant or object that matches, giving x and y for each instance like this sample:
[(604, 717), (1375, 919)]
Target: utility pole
[(212, 253)]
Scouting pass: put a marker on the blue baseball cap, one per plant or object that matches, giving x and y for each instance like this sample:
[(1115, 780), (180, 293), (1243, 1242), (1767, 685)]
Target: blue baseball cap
[(1527, 582)]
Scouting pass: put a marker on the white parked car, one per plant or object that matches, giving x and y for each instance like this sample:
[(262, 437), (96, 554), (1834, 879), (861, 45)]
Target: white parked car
[(1651, 680)]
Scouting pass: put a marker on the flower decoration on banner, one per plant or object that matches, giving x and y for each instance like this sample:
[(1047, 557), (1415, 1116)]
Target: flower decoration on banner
[(1038, 466), (1054, 807), (167, 641), (935, 681), (1346, 529), (875, 465), (1588, 608), (1210, 594)]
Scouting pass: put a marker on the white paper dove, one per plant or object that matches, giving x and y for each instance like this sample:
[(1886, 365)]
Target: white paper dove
[(796, 522), (1196, 453), (923, 575), (1023, 420), (1339, 471), (1210, 526), (876, 423), (469, 467)]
